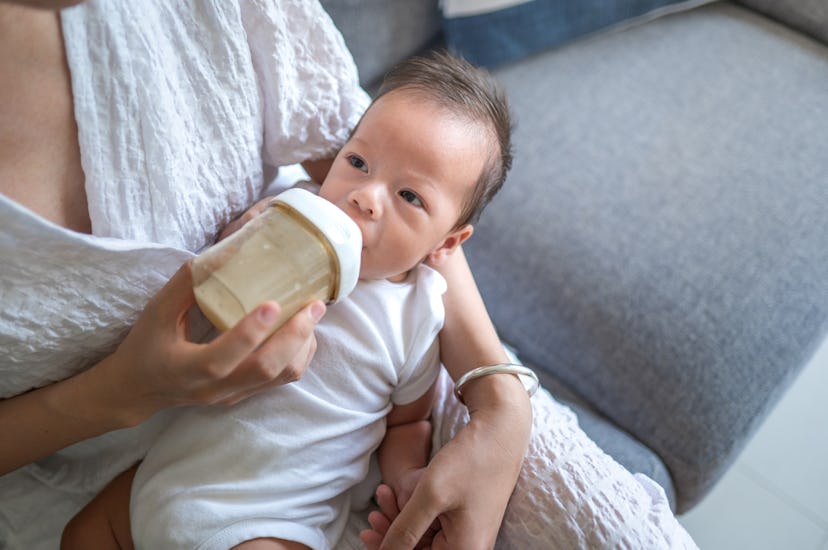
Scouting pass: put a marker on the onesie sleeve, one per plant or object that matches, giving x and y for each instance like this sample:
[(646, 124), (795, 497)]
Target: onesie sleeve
[(308, 82), (422, 364), (420, 375)]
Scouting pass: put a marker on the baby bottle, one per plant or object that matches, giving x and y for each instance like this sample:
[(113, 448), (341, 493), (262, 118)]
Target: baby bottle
[(300, 249)]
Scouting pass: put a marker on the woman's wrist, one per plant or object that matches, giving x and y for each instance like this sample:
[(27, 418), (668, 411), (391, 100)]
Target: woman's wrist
[(501, 406), (497, 392), (499, 368), (97, 398)]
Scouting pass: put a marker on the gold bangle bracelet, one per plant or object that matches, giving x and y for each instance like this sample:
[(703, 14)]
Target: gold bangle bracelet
[(500, 368)]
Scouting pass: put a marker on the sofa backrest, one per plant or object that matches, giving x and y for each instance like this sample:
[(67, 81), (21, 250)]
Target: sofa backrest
[(380, 33), (492, 32), (808, 16)]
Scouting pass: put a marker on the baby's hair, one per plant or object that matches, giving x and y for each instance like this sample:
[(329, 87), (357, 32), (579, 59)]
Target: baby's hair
[(471, 92)]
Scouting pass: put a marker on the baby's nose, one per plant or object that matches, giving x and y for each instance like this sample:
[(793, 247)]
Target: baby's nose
[(368, 199)]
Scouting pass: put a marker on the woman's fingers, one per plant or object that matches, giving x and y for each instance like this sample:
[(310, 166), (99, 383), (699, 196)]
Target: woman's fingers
[(248, 359), (413, 521), (293, 345), (230, 349), (288, 374)]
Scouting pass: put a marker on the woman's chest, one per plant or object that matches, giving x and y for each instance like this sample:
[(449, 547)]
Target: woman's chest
[(40, 164)]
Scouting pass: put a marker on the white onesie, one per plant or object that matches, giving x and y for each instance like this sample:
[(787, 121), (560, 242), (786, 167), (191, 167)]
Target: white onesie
[(281, 464)]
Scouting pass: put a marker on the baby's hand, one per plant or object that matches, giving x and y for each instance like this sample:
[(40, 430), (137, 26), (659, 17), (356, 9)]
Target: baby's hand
[(405, 486), (390, 503), (251, 213)]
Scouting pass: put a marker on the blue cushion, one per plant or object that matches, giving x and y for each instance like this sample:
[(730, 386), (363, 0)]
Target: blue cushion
[(501, 35)]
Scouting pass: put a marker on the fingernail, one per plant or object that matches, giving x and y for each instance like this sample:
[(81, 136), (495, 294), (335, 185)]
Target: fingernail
[(317, 310), (268, 314)]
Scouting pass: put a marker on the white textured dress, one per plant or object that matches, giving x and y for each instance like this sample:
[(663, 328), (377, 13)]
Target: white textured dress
[(179, 106)]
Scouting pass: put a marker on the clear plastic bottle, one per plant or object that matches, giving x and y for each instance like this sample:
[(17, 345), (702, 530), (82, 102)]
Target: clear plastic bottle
[(301, 248)]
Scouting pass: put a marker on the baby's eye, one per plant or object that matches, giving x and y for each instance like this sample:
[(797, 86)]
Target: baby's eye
[(357, 163), (411, 196)]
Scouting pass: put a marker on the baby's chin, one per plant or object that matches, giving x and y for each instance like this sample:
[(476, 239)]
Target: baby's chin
[(368, 274)]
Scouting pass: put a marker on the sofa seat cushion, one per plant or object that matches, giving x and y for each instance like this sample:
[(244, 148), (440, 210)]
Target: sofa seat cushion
[(660, 244)]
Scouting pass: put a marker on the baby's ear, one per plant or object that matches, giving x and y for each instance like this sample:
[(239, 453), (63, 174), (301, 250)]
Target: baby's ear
[(450, 243)]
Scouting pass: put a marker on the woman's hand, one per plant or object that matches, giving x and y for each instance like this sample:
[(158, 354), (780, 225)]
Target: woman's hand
[(467, 485), (165, 369), (157, 367), (390, 503)]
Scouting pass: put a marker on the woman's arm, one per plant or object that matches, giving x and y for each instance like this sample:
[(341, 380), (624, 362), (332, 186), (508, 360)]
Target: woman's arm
[(469, 482), (154, 368)]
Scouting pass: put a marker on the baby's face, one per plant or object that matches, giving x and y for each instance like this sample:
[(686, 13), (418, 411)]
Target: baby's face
[(404, 177)]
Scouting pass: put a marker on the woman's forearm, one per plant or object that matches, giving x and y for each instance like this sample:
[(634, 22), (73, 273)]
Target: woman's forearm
[(37, 423), (469, 340)]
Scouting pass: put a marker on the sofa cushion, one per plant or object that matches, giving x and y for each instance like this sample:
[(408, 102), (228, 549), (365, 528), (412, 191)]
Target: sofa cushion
[(809, 16), (659, 246), (491, 32)]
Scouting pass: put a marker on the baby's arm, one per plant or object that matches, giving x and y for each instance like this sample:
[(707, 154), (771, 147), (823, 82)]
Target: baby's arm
[(406, 447), (403, 456), (104, 522)]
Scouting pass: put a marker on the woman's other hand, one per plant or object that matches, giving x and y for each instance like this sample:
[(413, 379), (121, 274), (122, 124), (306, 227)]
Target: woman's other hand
[(390, 503), (467, 485)]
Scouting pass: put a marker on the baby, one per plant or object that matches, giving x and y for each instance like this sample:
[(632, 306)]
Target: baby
[(279, 469)]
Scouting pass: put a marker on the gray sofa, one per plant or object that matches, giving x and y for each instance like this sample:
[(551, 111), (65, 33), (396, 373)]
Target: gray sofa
[(659, 253)]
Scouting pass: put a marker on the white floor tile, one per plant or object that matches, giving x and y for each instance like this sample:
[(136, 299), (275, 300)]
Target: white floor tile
[(740, 513), (790, 450)]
